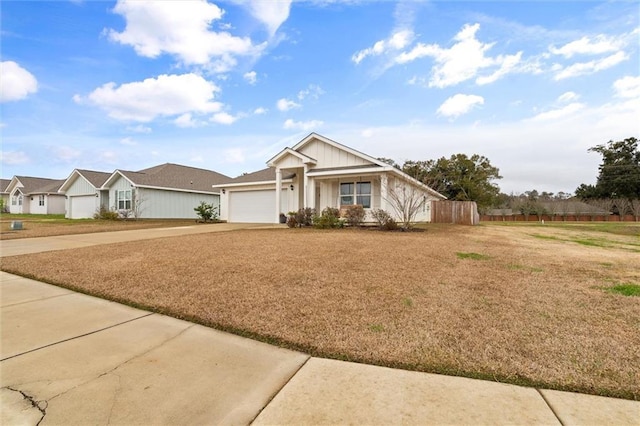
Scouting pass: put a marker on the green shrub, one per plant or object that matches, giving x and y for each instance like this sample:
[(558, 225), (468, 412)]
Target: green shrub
[(355, 215), (206, 212), (329, 218), (106, 214)]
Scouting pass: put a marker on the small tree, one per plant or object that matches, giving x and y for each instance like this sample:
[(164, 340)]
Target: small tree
[(206, 212), (406, 201), (634, 205)]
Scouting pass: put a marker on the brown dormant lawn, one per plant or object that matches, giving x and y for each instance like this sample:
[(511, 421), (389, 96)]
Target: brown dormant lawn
[(33, 226), (520, 304)]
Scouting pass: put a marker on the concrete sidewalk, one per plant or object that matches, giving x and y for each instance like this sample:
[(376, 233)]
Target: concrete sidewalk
[(69, 358)]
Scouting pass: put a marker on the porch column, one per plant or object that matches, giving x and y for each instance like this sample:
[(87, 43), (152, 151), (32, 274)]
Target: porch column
[(384, 182), (278, 193), (312, 193), (305, 197)]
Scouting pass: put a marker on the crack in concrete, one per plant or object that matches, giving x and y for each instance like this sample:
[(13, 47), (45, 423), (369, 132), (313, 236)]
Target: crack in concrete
[(546, 401), (33, 402)]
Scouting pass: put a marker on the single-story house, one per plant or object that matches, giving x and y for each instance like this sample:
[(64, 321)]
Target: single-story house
[(319, 172), (35, 195), (83, 193), (4, 183), (167, 191)]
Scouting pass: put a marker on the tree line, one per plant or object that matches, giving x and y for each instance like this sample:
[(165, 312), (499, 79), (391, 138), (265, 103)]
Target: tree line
[(474, 178)]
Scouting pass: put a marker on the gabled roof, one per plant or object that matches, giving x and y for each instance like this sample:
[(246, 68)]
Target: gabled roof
[(288, 151), (35, 185), (4, 184), (172, 176), (261, 176), (328, 141), (95, 178)]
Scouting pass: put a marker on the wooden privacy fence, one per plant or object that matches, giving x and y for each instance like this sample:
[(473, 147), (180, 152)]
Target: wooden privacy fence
[(458, 212)]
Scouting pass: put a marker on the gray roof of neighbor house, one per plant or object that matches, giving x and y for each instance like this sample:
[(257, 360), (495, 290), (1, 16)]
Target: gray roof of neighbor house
[(3, 184), (95, 178), (176, 176), (264, 175), (35, 185)]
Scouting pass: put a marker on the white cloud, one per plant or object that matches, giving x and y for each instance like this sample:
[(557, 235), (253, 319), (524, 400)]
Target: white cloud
[(397, 41), (223, 118), (65, 153), (583, 68), (627, 87), (17, 82), (250, 77), (13, 158), (459, 104), (302, 125), (167, 95), (568, 97), (585, 46), (286, 104), (185, 120), (128, 141), (314, 91), (234, 155), (462, 61), (179, 28), (555, 114), (260, 111), (271, 13), (139, 129)]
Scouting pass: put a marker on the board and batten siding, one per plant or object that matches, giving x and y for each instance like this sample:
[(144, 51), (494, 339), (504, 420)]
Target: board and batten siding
[(330, 156), (167, 204), (80, 186)]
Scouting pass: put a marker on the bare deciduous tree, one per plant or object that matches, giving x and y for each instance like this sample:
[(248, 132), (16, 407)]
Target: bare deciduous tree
[(405, 200)]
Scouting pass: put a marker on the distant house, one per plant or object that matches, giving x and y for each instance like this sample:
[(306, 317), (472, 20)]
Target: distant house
[(319, 172), (84, 195), (167, 191), (4, 183), (35, 195)]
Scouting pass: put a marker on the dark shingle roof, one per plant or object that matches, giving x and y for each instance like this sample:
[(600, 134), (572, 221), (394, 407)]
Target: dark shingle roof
[(264, 175), (175, 176), (3, 184), (95, 178), (35, 185)]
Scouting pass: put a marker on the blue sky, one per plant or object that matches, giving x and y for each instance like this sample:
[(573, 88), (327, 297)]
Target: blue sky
[(226, 85)]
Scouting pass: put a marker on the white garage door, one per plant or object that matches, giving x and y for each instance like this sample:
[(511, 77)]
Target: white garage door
[(82, 206), (254, 206)]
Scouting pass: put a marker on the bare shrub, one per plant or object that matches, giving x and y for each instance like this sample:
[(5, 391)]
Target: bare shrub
[(355, 215)]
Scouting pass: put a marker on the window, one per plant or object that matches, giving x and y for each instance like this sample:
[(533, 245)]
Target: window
[(123, 199), (41, 200), (14, 200), (355, 193)]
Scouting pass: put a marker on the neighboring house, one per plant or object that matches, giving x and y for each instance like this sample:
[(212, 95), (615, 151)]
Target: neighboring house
[(4, 183), (167, 191), (318, 172), (84, 195), (35, 195)]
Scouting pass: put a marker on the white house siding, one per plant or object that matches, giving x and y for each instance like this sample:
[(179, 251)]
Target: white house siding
[(167, 204), (290, 161), (121, 184), (80, 186), (81, 202), (53, 204), (19, 206), (330, 156)]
